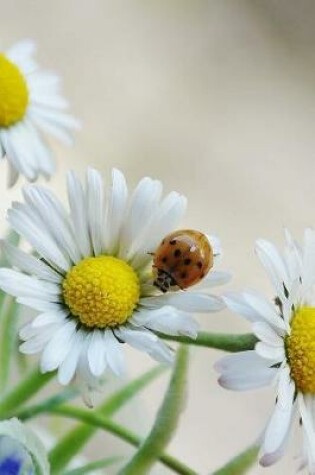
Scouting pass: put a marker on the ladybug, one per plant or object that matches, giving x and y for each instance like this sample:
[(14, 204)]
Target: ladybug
[(182, 259)]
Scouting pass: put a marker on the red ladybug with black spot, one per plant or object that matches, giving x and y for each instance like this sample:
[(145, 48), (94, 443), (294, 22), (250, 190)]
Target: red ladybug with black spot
[(181, 260)]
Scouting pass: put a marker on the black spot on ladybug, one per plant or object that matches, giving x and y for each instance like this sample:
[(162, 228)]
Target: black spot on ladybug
[(187, 261), (183, 275), (199, 264), (164, 259), (177, 252), (173, 242)]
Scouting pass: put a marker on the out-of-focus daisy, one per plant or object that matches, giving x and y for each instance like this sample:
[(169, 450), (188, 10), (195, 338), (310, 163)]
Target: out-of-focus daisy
[(30, 100), (91, 278), (285, 353), (21, 451)]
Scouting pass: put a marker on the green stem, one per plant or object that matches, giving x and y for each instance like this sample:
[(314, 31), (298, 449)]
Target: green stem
[(65, 449), (220, 341), (93, 419), (47, 405), (22, 392), (241, 463), (91, 467), (166, 420)]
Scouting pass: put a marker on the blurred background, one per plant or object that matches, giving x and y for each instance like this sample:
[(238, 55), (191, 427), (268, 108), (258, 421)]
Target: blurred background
[(217, 99)]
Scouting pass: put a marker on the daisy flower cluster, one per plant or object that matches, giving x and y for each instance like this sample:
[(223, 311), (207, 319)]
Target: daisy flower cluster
[(104, 272), (30, 102), (91, 275), (284, 355)]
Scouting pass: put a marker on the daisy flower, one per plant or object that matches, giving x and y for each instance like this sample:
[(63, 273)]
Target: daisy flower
[(30, 100), (284, 355), (91, 276)]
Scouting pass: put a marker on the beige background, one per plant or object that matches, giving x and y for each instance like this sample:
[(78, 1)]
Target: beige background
[(215, 98)]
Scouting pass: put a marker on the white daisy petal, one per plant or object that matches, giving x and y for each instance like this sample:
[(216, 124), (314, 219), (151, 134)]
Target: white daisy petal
[(40, 305), (213, 279), (115, 214), (57, 316), (146, 341), (114, 353), (45, 204), (36, 343), (143, 204), (245, 360), (308, 277), (238, 304), (186, 301), (16, 154), (165, 219), (306, 406), (25, 47), (162, 353), (286, 388), (95, 198), (293, 257), (266, 334), (2, 151), (52, 124), (167, 320), (96, 353), (216, 245), (23, 223), (29, 264), (243, 381), (270, 352), (21, 285), (40, 150), (13, 173), (67, 368), (274, 265), (58, 347), (245, 370), (77, 201), (264, 308), (278, 428)]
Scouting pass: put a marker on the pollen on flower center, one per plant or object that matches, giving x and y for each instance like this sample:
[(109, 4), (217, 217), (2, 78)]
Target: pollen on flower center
[(300, 346), (14, 96), (101, 291)]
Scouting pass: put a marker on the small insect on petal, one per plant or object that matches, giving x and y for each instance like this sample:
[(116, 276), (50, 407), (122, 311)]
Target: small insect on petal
[(182, 259)]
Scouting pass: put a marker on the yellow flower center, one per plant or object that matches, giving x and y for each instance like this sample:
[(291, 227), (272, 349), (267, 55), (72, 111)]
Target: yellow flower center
[(14, 95), (101, 291), (300, 346)]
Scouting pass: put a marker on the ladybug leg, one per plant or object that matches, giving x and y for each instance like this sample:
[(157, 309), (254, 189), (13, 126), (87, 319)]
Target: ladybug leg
[(151, 253)]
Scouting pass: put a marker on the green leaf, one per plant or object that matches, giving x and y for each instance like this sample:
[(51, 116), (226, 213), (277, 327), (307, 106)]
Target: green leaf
[(65, 450), (8, 335), (23, 391), (90, 467), (240, 464), (165, 423), (220, 341)]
